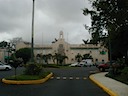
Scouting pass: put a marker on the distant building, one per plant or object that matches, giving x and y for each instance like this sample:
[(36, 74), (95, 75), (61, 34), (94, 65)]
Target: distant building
[(3, 53), (97, 52)]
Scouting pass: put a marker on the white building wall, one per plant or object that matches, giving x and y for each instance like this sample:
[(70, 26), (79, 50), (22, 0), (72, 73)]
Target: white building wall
[(3, 53), (70, 50), (22, 45)]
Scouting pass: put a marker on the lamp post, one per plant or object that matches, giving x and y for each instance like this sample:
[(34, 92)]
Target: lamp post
[(110, 55), (8, 48), (32, 38)]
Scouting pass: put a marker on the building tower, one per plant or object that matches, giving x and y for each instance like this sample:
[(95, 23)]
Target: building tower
[(61, 35)]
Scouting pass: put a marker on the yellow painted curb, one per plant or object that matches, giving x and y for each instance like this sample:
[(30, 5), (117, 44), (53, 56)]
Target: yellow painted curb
[(28, 81), (110, 92)]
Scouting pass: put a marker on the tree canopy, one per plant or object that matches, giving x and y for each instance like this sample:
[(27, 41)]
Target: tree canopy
[(24, 53), (3, 44), (60, 59), (111, 16)]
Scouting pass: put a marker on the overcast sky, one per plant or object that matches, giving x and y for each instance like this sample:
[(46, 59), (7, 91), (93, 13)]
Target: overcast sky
[(51, 16)]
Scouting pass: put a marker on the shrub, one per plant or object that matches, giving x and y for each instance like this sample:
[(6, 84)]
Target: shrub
[(33, 69), (124, 75), (125, 72), (24, 53)]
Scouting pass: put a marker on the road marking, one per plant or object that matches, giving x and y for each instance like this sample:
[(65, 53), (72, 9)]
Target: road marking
[(77, 78), (64, 78), (84, 78), (70, 78), (57, 78)]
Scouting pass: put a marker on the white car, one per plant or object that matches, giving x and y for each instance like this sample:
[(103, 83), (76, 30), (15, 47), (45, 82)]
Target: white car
[(86, 63), (74, 64), (81, 64), (5, 67)]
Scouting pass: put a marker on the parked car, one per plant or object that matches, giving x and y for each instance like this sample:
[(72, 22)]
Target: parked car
[(5, 66), (85, 63), (104, 66), (97, 63), (74, 64), (81, 64)]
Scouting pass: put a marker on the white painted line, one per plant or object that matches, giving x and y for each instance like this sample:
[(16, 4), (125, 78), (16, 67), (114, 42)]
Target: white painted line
[(64, 78), (84, 78), (77, 78), (57, 78), (70, 78)]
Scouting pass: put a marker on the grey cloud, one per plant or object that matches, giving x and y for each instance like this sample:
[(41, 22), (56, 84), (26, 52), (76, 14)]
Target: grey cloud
[(63, 10), (12, 14), (51, 16), (15, 8)]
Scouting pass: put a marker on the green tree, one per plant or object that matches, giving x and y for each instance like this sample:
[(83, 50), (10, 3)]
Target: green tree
[(78, 57), (55, 57), (3, 44), (15, 62), (112, 16), (47, 57), (59, 58), (62, 59), (38, 55), (33, 69), (38, 58), (10, 47), (87, 56), (24, 53)]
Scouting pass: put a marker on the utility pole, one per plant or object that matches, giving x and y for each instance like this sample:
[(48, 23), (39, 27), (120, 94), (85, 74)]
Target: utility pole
[(32, 38), (110, 54)]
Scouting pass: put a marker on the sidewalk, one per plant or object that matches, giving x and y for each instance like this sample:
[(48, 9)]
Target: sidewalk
[(111, 86)]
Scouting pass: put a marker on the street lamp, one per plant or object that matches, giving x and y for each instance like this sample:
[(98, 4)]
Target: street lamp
[(110, 54), (32, 38)]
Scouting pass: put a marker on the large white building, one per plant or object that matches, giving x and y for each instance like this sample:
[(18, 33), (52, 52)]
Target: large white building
[(70, 50), (64, 48)]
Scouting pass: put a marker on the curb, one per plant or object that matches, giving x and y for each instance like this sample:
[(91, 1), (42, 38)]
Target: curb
[(28, 81), (110, 92)]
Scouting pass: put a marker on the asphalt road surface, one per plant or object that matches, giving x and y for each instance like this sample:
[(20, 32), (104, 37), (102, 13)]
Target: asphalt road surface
[(65, 82)]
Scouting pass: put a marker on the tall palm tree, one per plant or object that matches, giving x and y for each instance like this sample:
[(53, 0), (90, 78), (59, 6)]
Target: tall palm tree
[(46, 58), (62, 59), (59, 58), (55, 57), (87, 56), (78, 57), (38, 57)]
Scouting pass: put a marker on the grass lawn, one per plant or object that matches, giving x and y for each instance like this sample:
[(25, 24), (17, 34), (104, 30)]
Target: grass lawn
[(23, 77), (121, 78)]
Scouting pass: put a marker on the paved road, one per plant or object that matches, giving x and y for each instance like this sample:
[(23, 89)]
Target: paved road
[(65, 82)]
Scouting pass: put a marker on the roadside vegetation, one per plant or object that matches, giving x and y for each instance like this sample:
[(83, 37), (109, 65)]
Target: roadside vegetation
[(23, 77), (32, 72), (122, 76), (109, 25)]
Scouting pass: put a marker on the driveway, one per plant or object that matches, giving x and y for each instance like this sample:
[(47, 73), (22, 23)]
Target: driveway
[(65, 82)]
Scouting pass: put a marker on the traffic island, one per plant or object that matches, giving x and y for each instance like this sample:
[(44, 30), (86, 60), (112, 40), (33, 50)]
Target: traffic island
[(28, 81)]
